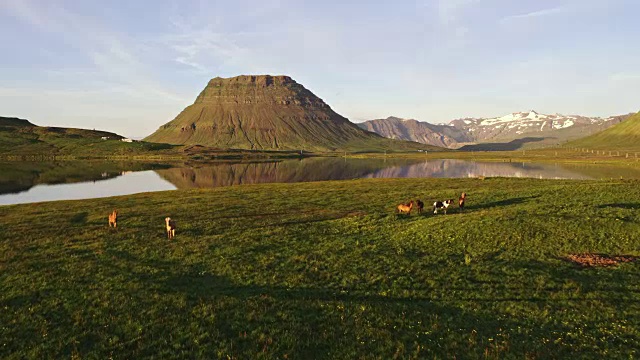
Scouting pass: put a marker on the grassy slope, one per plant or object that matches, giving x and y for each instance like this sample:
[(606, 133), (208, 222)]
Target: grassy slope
[(623, 137), (325, 270), (536, 140), (19, 139), (380, 144), (294, 134)]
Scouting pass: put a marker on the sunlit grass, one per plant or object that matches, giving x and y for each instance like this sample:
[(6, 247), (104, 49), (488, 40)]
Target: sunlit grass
[(325, 270)]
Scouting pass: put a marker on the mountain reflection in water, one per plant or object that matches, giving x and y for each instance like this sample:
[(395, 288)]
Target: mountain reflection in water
[(322, 169), (464, 169), (287, 171), (34, 182)]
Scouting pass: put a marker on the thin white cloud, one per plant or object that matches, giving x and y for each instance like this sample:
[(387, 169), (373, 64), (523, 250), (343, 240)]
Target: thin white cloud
[(22, 10), (534, 14), (450, 17), (112, 61), (625, 76), (450, 10), (203, 50)]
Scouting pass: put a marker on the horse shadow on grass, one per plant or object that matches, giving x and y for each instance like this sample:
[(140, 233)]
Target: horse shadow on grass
[(79, 218), (501, 203), (627, 206), (264, 318), (404, 217)]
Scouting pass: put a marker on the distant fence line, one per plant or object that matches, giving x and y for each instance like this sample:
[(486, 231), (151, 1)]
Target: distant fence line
[(611, 153)]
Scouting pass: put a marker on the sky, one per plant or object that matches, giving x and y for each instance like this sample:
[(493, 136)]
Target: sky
[(131, 66)]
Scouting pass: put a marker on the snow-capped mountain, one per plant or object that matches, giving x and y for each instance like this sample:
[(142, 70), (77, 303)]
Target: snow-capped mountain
[(512, 126), (547, 129)]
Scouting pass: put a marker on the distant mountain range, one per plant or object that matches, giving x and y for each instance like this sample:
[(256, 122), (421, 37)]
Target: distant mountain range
[(509, 132)]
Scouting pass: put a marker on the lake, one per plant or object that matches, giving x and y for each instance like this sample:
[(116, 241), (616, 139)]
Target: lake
[(36, 182)]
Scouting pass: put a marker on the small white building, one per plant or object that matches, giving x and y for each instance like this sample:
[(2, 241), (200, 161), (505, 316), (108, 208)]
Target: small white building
[(105, 138), (127, 140)]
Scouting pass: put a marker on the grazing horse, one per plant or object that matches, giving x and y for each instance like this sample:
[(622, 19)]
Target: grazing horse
[(444, 205), (113, 219), (420, 206), (171, 227), (405, 208), (461, 201)]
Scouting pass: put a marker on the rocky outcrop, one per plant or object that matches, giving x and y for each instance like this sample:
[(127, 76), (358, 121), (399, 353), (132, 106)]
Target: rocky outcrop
[(418, 131)]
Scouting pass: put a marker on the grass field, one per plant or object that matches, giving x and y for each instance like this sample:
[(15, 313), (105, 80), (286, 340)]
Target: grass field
[(326, 270)]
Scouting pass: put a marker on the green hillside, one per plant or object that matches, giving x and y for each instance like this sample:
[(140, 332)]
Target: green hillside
[(622, 137), (20, 137)]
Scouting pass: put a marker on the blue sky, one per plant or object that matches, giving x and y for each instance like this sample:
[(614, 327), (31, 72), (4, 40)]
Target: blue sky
[(131, 66)]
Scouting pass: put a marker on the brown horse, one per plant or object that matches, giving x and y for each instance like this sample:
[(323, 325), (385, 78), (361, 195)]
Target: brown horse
[(405, 208), (171, 227), (113, 219), (461, 201)]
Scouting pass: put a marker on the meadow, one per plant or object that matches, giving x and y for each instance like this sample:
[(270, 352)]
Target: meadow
[(326, 270)]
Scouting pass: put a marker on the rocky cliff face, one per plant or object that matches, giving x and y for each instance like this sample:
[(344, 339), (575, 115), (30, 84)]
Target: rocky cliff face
[(260, 112), (418, 131)]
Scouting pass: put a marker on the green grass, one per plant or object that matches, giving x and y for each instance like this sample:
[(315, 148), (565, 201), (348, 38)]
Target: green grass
[(624, 137), (325, 270), (19, 140)]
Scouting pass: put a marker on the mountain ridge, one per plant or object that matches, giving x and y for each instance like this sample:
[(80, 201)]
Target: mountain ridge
[(468, 132)]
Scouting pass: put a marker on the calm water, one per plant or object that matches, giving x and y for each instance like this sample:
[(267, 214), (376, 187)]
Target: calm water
[(36, 182), (129, 183)]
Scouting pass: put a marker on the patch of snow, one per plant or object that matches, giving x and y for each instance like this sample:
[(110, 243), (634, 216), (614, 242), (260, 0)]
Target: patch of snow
[(566, 124), (509, 117), (503, 119)]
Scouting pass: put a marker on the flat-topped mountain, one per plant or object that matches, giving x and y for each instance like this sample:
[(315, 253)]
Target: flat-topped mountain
[(263, 112), (528, 129)]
